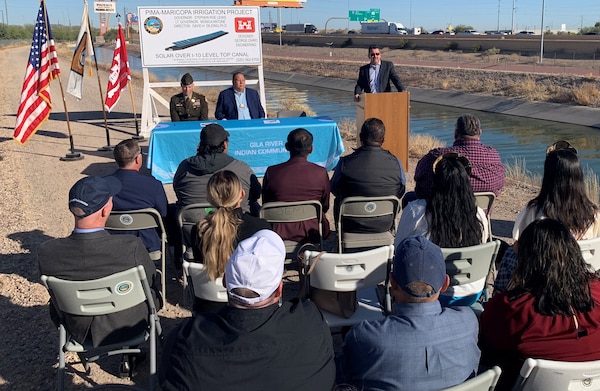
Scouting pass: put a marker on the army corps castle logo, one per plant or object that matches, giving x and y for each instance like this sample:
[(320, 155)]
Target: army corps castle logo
[(153, 25)]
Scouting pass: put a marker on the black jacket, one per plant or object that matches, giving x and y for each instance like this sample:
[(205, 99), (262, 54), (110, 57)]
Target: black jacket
[(87, 256), (387, 74)]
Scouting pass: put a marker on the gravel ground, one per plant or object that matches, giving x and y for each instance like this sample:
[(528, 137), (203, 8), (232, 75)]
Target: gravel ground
[(34, 189)]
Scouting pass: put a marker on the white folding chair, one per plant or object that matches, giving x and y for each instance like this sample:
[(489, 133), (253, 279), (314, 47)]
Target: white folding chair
[(201, 285), (544, 375), (117, 292), (485, 200), (485, 381), (293, 212), (147, 218), (364, 208), (361, 272), (187, 217), (590, 249), (468, 268)]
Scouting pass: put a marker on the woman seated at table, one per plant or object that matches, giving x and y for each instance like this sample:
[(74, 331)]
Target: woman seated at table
[(218, 234), (551, 310), (449, 217), (562, 197)]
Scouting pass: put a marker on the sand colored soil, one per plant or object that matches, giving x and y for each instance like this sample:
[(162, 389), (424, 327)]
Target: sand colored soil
[(35, 183)]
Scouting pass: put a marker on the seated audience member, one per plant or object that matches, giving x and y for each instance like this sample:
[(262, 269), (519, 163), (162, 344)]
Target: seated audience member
[(218, 233), (188, 105), (298, 180), (449, 217), (257, 342), (137, 191), (239, 102), (193, 173), (90, 253), (562, 197), (551, 308), (369, 171), (421, 346), (487, 171)]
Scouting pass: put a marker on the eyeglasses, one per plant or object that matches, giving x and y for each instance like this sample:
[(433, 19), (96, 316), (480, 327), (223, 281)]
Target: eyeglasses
[(375, 54), (562, 144), (453, 155)]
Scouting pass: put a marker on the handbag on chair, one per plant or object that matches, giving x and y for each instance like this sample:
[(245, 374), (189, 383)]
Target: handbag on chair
[(343, 304)]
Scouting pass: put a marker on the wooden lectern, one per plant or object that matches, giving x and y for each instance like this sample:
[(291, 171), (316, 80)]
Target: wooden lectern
[(393, 108)]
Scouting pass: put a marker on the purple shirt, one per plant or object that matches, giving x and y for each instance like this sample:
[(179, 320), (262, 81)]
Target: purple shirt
[(487, 169)]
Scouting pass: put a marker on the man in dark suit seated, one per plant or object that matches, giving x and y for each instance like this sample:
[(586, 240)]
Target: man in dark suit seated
[(239, 102), (377, 75), (90, 253), (137, 191)]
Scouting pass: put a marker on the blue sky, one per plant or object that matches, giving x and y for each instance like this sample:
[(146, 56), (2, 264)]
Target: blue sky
[(430, 14)]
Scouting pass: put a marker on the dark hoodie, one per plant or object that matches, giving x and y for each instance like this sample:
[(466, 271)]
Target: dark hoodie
[(194, 172)]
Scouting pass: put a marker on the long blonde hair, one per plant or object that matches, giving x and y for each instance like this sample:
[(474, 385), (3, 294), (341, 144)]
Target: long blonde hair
[(219, 229)]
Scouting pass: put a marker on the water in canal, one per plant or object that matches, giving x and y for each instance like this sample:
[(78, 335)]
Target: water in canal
[(515, 138)]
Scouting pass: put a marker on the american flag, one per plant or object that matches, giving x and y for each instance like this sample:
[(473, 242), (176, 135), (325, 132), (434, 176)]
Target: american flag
[(42, 66)]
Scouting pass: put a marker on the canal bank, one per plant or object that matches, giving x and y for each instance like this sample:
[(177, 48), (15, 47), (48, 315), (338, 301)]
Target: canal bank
[(577, 115)]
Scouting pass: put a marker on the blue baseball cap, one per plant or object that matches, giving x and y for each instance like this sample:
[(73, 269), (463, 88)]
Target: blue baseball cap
[(88, 195), (419, 260)]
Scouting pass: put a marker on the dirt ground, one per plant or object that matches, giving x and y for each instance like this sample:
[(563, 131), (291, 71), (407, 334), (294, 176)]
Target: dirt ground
[(35, 183)]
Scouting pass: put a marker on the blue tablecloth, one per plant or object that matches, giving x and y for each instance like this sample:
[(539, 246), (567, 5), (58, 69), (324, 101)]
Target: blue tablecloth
[(258, 142)]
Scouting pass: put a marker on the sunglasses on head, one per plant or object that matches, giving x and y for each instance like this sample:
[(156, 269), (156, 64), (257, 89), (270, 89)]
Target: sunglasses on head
[(561, 145), (456, 156)]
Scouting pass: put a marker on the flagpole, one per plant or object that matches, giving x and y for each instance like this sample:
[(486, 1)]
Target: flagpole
[(71, 156), (107, 147), (137, 126)]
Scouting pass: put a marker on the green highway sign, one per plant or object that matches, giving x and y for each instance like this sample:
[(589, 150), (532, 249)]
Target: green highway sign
[(364, 16)]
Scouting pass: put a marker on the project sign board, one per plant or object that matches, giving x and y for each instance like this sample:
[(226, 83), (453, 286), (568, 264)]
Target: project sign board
[(199, 36)]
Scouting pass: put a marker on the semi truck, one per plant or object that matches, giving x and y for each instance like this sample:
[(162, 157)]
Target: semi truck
[(383, 28), (268, 27), (301, 28)]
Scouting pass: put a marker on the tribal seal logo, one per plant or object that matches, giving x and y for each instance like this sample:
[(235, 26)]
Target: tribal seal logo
[(124, 287), (370, 207), (153, 25), (126, 219)]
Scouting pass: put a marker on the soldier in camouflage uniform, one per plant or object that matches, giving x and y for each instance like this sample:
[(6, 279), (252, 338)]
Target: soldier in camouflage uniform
[(188, 105)]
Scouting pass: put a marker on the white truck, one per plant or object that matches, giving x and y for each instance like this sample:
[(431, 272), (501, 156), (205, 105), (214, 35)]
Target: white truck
[(301, 28), (383, 28)]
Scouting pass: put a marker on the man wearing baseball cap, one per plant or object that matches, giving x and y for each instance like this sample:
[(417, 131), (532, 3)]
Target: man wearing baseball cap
[(193, 173), (188, 105), (90, 253), (421, 346), (257, 342)]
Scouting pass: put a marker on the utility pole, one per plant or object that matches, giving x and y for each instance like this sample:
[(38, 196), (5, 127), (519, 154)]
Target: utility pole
[(498, 23), (512, 26), (542, 34)]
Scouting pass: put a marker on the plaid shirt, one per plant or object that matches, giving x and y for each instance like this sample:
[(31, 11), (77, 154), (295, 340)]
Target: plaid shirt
[(487, 169)]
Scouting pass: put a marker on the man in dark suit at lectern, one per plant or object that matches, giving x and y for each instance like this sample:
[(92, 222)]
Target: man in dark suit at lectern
[(377, 75)]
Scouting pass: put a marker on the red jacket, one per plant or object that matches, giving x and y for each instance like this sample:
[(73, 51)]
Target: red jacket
[(511, 331)]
